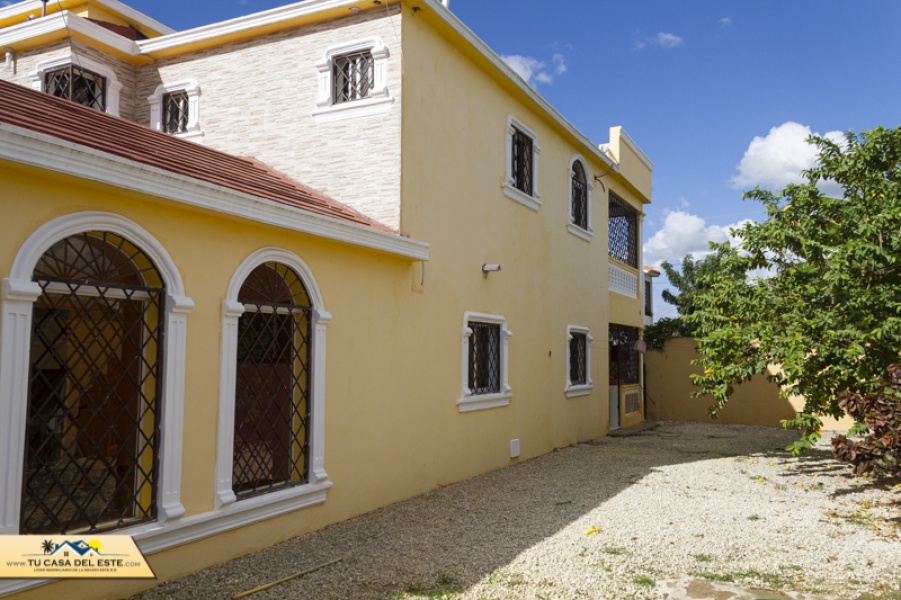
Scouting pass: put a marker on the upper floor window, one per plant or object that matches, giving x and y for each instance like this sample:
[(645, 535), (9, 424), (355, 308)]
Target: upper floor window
[(623, 231), (353, 76), (79, 79), (353, 80), (78, 85), (579, 200), (521, 182), (175, 112), (175, 109)]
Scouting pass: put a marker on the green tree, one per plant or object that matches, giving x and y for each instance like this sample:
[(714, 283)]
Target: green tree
[(688, 282), (825, 303)]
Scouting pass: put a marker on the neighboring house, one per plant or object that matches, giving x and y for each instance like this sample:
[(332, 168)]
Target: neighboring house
[(165, 303), (649, 274)]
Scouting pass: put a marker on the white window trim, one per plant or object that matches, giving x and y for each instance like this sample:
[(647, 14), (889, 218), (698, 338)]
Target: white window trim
[(189, 86), (581, 389), (379, 99), (19, 294), (585, 234), (468, 401), (265, 506), (113, 85), (510, 190)]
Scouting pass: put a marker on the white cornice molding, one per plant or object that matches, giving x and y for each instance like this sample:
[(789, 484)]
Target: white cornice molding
[(47, 152), (69, 23), (35, 7), (240, 24)]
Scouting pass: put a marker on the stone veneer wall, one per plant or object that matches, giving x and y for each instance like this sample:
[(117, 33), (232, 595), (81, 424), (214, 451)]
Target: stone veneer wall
[(26, 65), (257, 98)]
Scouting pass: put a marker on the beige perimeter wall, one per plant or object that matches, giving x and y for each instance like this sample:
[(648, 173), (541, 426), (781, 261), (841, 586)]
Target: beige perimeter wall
[(756, 402)]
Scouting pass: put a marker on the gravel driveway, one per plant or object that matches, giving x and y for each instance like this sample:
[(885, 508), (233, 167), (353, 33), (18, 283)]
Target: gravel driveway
[(682, 510)]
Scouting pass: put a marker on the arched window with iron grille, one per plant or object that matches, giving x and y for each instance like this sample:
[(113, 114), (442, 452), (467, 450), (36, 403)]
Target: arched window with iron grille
[(579, 200), (272, 382), (93, 416)]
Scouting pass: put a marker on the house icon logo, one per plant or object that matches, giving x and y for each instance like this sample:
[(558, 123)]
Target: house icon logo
[(69, 548)]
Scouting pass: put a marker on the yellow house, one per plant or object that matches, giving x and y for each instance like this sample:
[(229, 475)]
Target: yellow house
[(471, 258)]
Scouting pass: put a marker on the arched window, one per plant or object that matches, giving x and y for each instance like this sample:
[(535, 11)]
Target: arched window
[(272, 382), (579, 196), (92, 435)]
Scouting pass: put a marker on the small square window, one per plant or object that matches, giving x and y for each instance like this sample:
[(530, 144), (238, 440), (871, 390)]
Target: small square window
[(353, 76), (78, 85), (484, 366), (175, 112)]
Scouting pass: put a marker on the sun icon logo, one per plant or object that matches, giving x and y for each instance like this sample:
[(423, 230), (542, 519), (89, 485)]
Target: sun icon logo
[(96, 545)]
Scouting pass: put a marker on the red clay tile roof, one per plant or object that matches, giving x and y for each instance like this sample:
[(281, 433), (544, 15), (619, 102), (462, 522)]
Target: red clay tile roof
[(65, 120)]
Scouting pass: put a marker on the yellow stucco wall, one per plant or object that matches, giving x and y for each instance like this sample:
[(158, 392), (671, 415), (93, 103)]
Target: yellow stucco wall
[(756, 402)]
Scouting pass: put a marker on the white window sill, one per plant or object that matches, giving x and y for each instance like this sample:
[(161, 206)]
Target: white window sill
[(585, 234), (191, 136), (519, 196), (471, 403), (366, 107), (579, 390)]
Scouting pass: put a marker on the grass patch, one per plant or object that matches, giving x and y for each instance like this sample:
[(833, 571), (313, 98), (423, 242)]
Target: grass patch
[(754, 518), (614, 550), (643, 580), (722, 577), (704, 558)]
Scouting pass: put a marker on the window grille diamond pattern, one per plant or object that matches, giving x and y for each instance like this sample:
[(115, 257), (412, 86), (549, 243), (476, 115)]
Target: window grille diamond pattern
[(578, 359), (175, 112), (521, 169), (484, 358), (272, 400), (354, 75), (623, 229), (92, 430), (579, 196), (622, 340), (78, 85)]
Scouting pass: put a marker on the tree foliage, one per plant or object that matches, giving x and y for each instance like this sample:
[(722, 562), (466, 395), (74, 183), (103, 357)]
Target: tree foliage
[(826, 300), (688, 280)]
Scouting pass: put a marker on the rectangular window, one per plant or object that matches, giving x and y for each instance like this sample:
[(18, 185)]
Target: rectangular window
[(485, 358), (624, 363), (78, 85), (648, 304), (623, 228), (175, 112), (522, 162), (578, 355), (353, 76)]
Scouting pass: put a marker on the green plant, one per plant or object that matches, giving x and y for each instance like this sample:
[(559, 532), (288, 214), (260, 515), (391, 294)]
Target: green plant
[(644, 580), (754, 517), (704, 558)]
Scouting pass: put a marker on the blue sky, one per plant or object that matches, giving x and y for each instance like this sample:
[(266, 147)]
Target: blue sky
[(719, 93)]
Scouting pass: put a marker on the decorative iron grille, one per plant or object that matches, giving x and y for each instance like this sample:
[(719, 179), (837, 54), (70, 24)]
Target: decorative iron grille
[(521, 169), (272, 396), (354, 75), (78, 85), (92, 430), (175, 112), (624, 356), (578, 359), (623, 230), (632, 401), (579, 196), (484, 358)]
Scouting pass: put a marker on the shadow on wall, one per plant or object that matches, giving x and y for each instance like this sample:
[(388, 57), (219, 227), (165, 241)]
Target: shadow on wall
[(756, 402)]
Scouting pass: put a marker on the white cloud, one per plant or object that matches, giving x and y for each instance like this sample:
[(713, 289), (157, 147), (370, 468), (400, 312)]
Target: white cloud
[(668, 40), (683, 233), (536, 71), (663, 40), (725, 21), (778, 159)]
